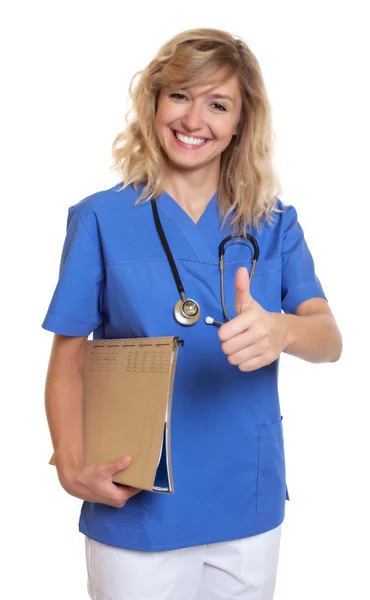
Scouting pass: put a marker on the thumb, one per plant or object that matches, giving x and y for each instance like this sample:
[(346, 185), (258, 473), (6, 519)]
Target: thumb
[(118, 464), (243, 296)]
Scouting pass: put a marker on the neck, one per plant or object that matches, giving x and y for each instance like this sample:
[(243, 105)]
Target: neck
[(192, 190)]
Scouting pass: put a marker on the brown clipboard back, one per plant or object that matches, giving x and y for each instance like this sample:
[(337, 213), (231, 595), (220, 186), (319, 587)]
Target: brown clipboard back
[(128, 386)]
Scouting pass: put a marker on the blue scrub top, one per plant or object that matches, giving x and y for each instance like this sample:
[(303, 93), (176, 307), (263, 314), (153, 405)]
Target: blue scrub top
[(226, 430)]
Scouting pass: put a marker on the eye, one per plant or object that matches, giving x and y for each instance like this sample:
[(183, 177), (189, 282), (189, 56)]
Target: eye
[(178, 96), (219, 106)]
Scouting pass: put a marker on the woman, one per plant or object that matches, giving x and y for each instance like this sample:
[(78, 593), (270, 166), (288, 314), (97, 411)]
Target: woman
[(198, 152)]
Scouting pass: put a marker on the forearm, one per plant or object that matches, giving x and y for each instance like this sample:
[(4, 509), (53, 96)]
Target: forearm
[(63, 404), (315, 338)]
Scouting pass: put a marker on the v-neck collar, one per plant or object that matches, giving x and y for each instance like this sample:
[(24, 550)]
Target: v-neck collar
[(171, 205), (201, 235)]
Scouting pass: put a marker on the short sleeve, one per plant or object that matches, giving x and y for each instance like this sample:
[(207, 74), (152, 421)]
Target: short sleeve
[(299, 281), (74, 308)]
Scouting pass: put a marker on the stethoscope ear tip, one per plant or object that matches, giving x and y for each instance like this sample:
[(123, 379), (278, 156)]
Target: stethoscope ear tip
[(211, 321)]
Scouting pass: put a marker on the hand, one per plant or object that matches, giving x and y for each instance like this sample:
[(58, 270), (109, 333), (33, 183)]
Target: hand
[(255, 337), (94, 483)]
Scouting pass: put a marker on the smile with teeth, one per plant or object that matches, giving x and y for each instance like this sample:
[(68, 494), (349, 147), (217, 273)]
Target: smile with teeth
[(190, 141)]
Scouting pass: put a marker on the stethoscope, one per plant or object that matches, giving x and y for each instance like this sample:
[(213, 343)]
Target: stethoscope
[(186, 310)]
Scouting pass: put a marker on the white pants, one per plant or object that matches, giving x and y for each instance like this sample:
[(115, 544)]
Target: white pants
[(242, 569)]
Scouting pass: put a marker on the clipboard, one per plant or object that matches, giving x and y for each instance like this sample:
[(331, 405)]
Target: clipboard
[(127, 400)]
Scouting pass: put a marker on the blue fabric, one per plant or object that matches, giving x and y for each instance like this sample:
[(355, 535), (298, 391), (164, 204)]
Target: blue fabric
[(227, 434)]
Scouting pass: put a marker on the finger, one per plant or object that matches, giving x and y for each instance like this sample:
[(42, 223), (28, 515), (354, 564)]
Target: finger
[(123, 494), (255, 363), (243, 296), (245, 355), (241, 341), (133, 491), (236, 326), (116, 465), (127, 489)]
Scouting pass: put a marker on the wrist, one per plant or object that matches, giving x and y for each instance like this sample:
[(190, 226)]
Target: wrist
[(286, 330), (67, 466), (69, 479)]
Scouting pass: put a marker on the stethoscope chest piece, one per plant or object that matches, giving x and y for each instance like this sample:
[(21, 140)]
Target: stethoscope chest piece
[(186, 311)]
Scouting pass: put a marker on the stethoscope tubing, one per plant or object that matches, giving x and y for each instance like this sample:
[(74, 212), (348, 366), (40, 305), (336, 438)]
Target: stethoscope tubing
[(180, 312), (166, 248)]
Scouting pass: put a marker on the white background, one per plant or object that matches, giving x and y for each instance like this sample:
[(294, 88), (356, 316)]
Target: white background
[(66, 69)]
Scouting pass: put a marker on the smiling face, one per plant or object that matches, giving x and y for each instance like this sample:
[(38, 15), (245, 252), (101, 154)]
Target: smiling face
[(195, 125)]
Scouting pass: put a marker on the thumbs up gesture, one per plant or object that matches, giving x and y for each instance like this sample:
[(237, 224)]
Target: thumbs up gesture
[(255, 337)]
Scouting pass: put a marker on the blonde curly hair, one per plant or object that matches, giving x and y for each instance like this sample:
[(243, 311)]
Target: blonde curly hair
[(248, 184)]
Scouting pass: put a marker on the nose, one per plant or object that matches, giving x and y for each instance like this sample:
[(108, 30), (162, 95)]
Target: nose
[(192, 119)]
